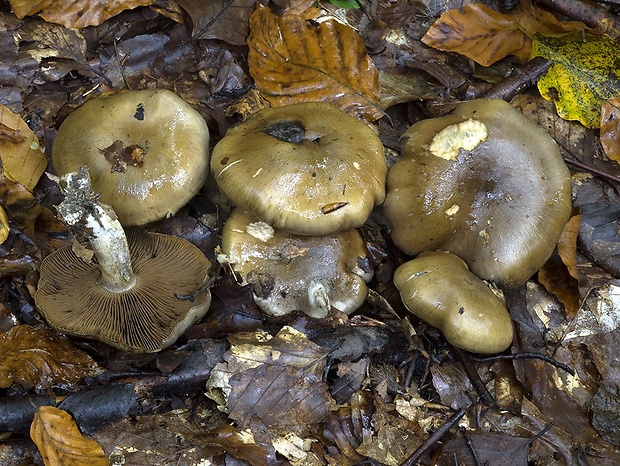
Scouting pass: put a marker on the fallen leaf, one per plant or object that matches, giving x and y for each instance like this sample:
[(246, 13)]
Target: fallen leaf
[(22, 157), (556, 279), (40, 357), (489, 447), (225, 20), (585, 72), (610, 128), (294, 61), (74, 14), (238, 443), (61, 443), (4, 225), (487, 36), (567, 245)]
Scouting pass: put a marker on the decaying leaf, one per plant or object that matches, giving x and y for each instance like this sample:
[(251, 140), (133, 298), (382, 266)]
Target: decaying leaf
[(294, 61), (275, 379), (4, 225), (22, 157), (239, 443), (610, 128), (487, 36), (61, 443), (556, 278), (74, 13), (585, 72), (35, 356), (225, 20)]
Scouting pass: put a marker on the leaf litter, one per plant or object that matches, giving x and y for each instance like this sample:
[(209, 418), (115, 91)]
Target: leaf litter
[(371, 387)]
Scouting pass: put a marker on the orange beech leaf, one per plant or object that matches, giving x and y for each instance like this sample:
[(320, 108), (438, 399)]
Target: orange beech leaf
[(610, 128), (567, 246), (41, 357), (61, 443), (74, 13), (293, 61), (487, 36)]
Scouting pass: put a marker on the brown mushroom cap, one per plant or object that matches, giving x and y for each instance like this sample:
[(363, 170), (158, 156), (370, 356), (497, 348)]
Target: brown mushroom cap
[(146, 318), (438, 288), (292, 272), (147, 151), (308, 168), (500, 204)]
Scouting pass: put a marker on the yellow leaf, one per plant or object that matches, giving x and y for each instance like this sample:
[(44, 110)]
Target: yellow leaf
[(4, 225), (22, 156), (74, 13), (294, 61), (585, 72), (61, 443), (610, 128), (487, 36), (41, 357)]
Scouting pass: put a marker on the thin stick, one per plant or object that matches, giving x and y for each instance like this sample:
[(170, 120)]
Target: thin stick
[(524, 77), (587, 168), (540, 356), (472, 373)]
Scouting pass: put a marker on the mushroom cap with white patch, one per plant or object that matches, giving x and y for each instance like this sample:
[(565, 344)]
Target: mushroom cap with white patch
[(484, 183), (309, 168)]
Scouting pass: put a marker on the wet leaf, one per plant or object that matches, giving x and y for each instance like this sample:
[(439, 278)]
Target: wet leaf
[(294, 61), (4, 225), (487, 36), (585, 72), (225, 20), (61, 443), (490, 448), (35, 356), (239, 443), (556, 278), (22, 157), (610, 128), (74, 13)]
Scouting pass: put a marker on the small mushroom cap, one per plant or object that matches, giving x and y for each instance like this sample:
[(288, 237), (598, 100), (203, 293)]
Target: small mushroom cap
[(145, 319), (438, 288), (500, 204), (292, 272), (308, 168), (147, 152)]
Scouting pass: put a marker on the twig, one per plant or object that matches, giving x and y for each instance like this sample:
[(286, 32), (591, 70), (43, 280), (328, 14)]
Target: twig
[(542, 357), (524, 77), (466, 362), (433, 439), (590, 14), (583, 166), (470, 445)]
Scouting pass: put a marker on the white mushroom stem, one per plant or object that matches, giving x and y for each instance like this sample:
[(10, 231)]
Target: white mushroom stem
[(85, 215), (318, 297)]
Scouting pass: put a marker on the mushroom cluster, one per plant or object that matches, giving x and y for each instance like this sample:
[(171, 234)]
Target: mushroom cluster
[(487, 185), (306, 175), (141, 294), (147, 152)]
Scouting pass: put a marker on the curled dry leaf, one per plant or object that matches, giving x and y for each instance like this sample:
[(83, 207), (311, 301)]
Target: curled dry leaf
[(22, 157), (293, 61), (487, 36), (40, 357), (61, 443), (74, 13), (610, 128)]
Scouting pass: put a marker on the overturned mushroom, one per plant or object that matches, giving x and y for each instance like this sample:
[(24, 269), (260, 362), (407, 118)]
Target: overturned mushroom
[(293, 272), (308, 168), (144, 290), (147, 152), (438, 288), (484, 183)]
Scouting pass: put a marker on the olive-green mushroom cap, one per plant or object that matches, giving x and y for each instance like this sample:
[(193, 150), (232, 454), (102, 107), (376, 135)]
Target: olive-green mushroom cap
[(167, 298), (438, 288), (308, 168), (484, 183), (293, 272), (147, 151)]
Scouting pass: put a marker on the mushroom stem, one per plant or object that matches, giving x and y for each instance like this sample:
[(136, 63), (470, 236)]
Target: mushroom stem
[(318, 297), (85, 215)]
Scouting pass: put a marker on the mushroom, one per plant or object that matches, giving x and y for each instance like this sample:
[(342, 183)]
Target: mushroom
[(144, 291), (292, 272), (308, 168), (147, 152), (437, 287), (484, 183)]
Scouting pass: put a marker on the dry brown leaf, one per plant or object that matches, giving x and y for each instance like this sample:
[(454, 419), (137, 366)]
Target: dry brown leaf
[(74, 13), (294, 61), (40, 357), (610, 128), (556, 279), (22, 157), (61, 443), (4, 225), (487, 36), (567, 245)]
